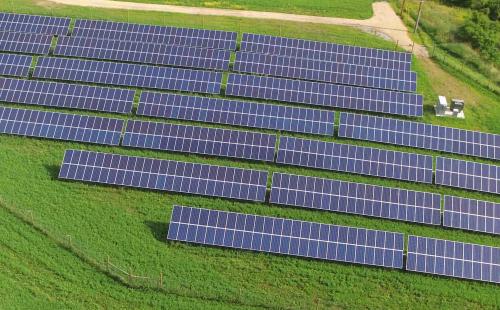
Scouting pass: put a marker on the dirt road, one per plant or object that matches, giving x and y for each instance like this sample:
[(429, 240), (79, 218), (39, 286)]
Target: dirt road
[(384, 21)]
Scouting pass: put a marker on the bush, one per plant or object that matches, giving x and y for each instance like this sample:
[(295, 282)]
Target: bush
[(482, 34)]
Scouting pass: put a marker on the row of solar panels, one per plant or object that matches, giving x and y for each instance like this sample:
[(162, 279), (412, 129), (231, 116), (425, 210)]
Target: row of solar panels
[(261, 44), (260, 87), (256, 146), (334, 243), (251, 114), (286, 189)]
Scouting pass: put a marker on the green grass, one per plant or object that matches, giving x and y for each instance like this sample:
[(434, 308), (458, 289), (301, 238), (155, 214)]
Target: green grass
[(37, 270), (358, 9)]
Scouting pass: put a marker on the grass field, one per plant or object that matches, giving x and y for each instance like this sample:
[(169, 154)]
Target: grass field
[(358, 9), (129, 225)]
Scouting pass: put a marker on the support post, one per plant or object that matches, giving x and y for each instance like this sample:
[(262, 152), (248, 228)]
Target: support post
[(418, 16)]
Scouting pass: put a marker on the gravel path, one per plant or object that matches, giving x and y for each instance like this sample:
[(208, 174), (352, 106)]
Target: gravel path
[(384, 21)]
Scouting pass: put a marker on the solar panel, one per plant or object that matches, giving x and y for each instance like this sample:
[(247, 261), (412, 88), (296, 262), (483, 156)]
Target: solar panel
[(200, 140), (59, 126), (468, 175), (453, 259), (355, 159), (142, 52), (288, 237), (15, 65), (239, 113), (164, 175), (415, 134), (69, 96), (30, 43), (215, 39), (132, 75), (356, 198), (265, 44), (325, 71), (34, 23), (472, 214), (325, 94)]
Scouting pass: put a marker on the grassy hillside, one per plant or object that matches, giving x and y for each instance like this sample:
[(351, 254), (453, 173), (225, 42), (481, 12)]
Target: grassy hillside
[(359, 9), (129, 226)]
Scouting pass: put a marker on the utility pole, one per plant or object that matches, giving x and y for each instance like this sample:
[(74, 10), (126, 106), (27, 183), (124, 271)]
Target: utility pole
[(418, 16), (402, 8)]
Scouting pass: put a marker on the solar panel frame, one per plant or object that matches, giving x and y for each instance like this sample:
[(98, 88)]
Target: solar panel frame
[(125, 74), (29, 43), (471, 214), (164, 175), (237, 113), (120, 31), (468, 175), (324, 94), (15, 65), (288, 237), (325, 71), (34, 23), (299, 48), (143, 52), (355, 198), (71, 96), (355, 159), (453, 259), (419, 135), (60, 126), (200, 140)]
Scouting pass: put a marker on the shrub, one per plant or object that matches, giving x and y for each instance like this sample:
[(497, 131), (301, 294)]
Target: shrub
[(482, 34)]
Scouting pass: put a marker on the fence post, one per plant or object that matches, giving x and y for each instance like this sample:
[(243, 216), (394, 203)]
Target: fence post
[(161, 279), (396, 46), (69, 241), (107, 264)]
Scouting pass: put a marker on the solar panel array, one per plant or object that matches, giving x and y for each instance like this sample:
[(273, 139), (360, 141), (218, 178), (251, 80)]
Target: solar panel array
[(34, 23), (239, 113), (324, 94), (472, 214), (453, 259), (165, 175), (133, 75), (415, 134), (355, 159), (356, 198), (15, 65), (201, 140), (265, 44), (289, 237), (60, 126), (142, 52), (70, 96), (468, 175), (155, 34), (30, 43), (325, 71)]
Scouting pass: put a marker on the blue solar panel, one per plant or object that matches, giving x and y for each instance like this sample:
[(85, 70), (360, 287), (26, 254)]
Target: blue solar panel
[(155, 34), (132, 75), (30, 43), (289, 237), (356, 198), (141, 52), (34, 23), (265, 44), (69, 96), (15, 65), (325, 94), (164, 175), (60, 126), (239, 113), (468, 175), (415, 134), (472, 214), (200, 140), (453, 259), (355, 159), (326, 71)]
